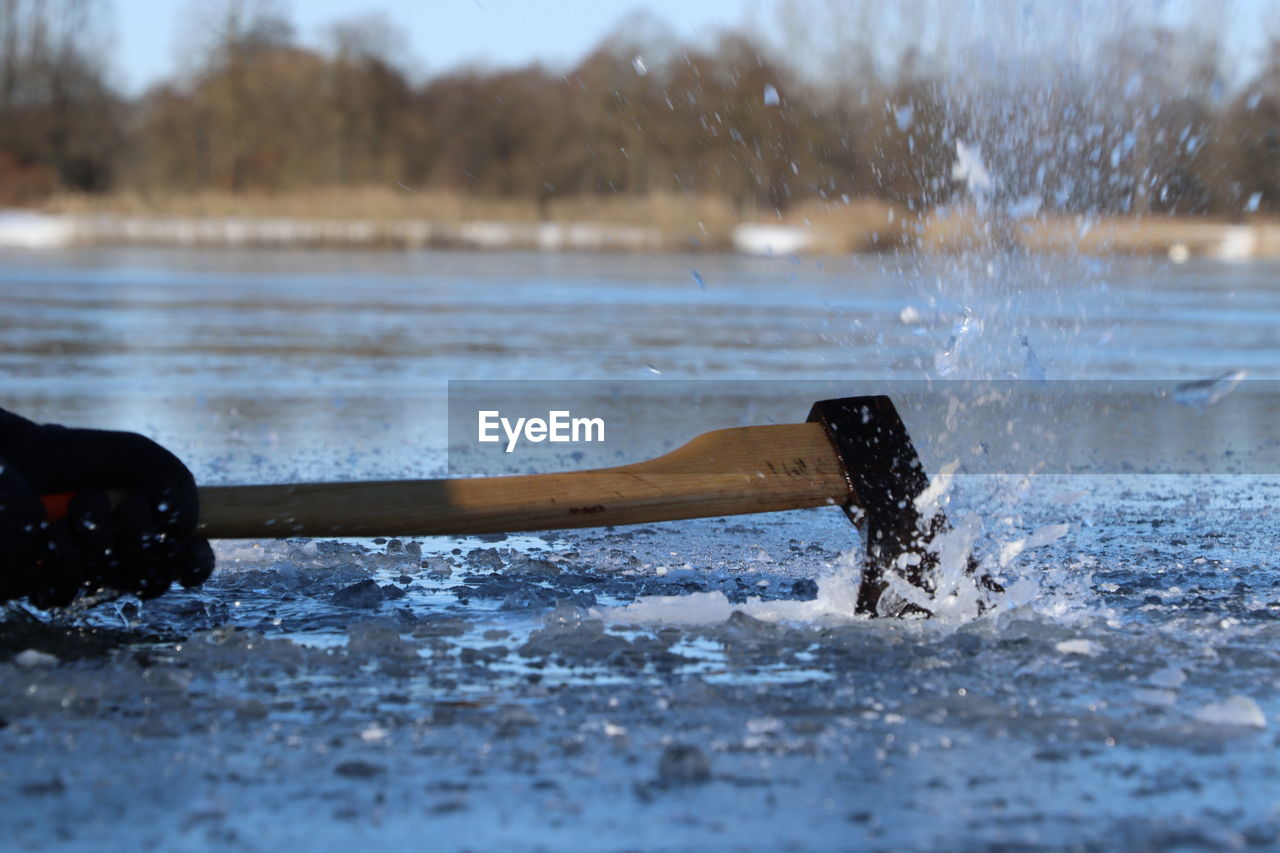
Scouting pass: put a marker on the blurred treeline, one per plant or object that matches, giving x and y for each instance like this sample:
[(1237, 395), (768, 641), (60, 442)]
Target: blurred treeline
[(1150, 121)]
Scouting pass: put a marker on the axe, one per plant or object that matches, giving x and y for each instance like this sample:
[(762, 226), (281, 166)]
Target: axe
[(853, 453)]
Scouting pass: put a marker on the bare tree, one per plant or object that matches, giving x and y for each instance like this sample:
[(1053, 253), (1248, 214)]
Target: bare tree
[(56, 110), (372, 37)]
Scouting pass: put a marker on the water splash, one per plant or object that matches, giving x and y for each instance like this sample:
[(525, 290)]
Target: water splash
[(1046, 535), (970, 170), (1205, 392), (904, 117), (946, 362), (1033, 369)]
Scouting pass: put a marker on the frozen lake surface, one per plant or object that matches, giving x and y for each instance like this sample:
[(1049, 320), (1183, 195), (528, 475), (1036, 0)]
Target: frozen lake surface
[(693, 685)]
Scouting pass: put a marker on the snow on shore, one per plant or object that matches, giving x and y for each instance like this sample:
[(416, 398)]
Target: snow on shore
[(30, 230)]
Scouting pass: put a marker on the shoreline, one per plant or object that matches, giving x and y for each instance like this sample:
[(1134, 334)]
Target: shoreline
[(951, 233)]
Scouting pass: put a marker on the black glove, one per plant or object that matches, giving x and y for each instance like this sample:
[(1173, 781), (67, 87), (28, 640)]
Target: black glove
[(141, 545)]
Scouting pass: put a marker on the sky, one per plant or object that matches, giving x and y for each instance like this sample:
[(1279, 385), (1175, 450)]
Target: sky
[(149, 34)]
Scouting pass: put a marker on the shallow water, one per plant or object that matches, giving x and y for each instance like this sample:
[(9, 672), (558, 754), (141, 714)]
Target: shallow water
[(488, 692)]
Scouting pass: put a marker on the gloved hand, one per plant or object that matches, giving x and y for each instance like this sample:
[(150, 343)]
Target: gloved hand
[(141, 545)]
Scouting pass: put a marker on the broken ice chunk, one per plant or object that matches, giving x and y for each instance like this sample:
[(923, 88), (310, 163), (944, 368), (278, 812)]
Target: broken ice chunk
[(1234, 711), (683, 765), (364, 594), (32, 659), (1087, 648)]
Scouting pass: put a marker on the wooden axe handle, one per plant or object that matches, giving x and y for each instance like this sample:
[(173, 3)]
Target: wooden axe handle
[(725, 472)]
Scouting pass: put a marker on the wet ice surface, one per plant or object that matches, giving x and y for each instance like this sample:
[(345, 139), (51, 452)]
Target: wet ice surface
[(334, 693), (492, 693)]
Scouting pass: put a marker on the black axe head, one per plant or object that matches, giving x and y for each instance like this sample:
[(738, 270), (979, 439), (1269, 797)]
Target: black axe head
[(886, 477)]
